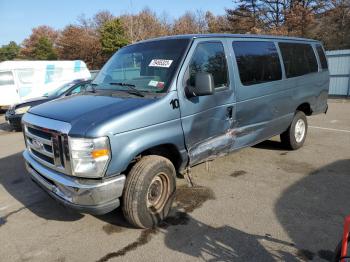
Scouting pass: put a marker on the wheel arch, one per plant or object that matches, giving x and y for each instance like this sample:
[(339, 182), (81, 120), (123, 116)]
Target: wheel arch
[(167, 150), (305, 108)]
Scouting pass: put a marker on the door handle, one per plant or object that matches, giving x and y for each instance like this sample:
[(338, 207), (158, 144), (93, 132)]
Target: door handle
[(229, 112)]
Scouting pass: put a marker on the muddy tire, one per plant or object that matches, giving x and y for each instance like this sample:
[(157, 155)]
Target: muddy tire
[(294, 137), (149, 191)]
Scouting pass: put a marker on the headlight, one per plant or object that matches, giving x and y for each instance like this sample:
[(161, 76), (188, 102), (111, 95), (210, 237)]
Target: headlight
[(22, 110), (89, 157)]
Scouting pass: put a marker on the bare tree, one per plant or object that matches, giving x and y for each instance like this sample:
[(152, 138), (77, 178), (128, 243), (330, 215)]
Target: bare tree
[(217, 24), (246, 18), (143, 25), (333, 26), (102, 17), (190, 23), (286, 17)]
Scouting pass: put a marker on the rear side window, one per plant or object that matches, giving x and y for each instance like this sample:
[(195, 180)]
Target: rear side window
[(209, 57), (298, 59), (257, 61), (322, 57), (6, 78), (25, 75), (53, 74)]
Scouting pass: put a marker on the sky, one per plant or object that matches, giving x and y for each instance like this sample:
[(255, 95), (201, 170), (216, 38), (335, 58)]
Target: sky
[(18, 17)]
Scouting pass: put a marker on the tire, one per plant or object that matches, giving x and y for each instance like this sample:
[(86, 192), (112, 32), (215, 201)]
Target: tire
[(149, 191), (294, 137)]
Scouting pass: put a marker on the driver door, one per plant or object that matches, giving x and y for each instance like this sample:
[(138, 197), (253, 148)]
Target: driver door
[(207, 120)]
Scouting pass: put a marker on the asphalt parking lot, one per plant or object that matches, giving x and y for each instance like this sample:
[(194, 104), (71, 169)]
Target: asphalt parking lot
[(262, 203)]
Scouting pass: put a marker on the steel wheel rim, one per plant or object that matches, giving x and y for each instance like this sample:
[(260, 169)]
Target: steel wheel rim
[(300, 129), (158, 192)]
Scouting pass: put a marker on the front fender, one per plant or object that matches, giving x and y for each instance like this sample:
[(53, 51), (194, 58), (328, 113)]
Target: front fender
[(126, 146)]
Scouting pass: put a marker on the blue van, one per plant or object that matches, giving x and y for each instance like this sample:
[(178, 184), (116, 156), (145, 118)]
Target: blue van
[(161, 106)]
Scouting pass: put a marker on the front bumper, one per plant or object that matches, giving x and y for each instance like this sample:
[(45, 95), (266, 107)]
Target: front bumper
[(14, 120), (85, 195)]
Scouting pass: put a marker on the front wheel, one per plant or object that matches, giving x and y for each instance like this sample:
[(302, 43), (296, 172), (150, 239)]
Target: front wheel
[(149, 191), (294, 137)]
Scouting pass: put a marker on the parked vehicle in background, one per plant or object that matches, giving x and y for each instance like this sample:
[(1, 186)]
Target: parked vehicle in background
[(94, 74), (14, 114), (22, 80), (161, 106)]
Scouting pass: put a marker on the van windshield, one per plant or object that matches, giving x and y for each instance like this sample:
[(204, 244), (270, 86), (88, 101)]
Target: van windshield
[(147, 67)]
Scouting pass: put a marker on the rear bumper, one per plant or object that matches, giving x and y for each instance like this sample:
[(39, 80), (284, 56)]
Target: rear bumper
[(84, 195)]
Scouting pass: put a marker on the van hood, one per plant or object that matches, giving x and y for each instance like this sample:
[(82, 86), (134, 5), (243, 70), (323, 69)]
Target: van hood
[(84, 111)]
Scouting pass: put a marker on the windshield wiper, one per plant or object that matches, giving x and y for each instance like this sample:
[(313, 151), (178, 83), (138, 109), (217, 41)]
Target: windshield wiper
[(132, 89)]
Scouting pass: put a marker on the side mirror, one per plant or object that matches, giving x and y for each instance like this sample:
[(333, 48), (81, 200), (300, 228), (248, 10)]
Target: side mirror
[(204, 85)]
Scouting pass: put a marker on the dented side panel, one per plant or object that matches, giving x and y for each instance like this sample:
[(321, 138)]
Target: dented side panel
[(212, 148)]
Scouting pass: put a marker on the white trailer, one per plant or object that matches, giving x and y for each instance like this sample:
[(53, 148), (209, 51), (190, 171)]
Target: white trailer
[(22, 80)]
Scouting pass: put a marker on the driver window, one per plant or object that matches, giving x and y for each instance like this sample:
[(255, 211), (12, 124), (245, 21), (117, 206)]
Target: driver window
[(209, 57)]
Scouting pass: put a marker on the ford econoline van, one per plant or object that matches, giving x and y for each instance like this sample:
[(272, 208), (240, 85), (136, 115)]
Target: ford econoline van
[(161, 106), (23, 80)]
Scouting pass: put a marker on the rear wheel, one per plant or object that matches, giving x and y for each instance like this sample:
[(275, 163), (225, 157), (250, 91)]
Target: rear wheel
[(294, 137), (149, 191)]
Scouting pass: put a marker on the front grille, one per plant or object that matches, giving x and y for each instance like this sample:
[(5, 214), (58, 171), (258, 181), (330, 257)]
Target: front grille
[(49, 147), (11, 111), (40, 133), (42, 156)]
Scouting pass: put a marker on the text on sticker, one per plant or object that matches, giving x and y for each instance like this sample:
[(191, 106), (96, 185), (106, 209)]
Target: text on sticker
[(160, 63), (153, 83)]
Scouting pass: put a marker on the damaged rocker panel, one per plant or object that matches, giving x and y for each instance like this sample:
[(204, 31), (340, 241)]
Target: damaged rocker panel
[(217, 146), (213, 147)]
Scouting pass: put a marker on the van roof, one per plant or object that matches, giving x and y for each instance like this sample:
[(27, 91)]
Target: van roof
[(25, 64), (251, 36)]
